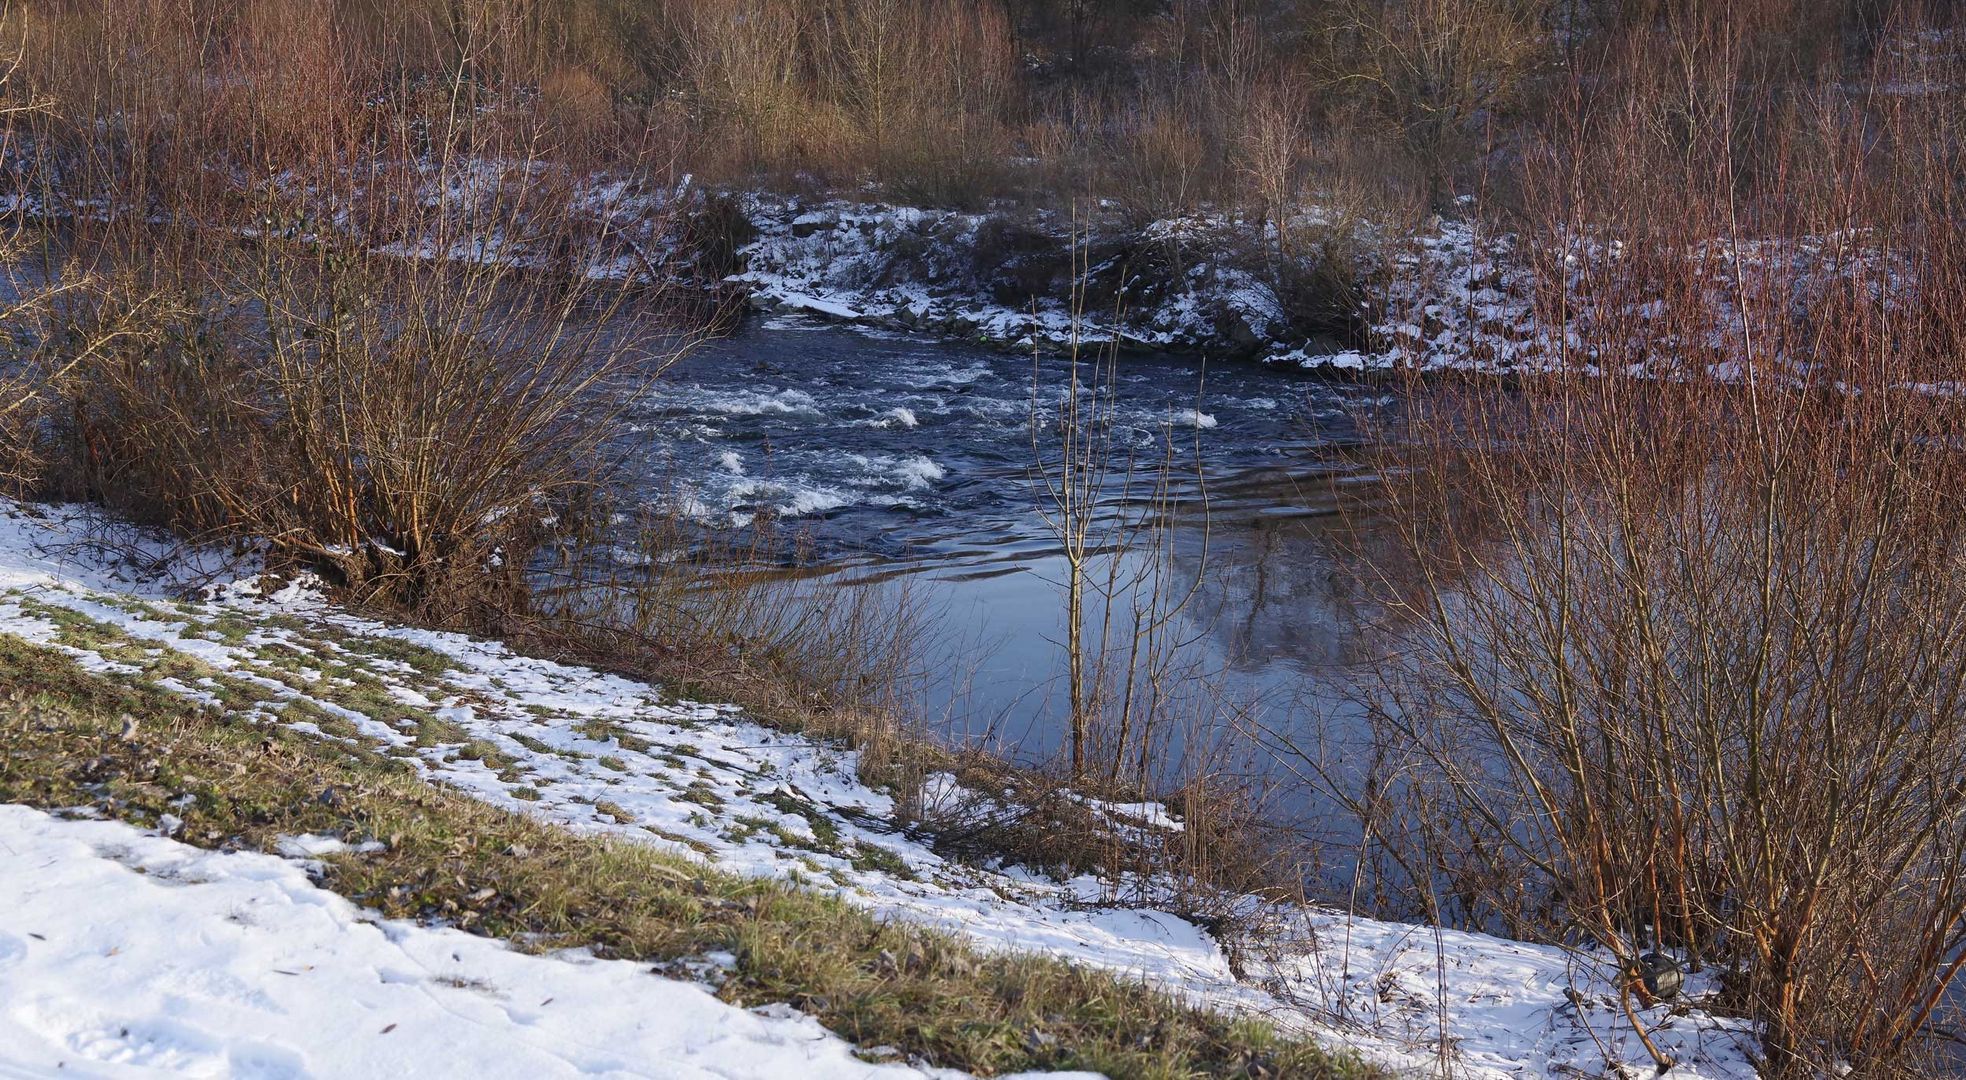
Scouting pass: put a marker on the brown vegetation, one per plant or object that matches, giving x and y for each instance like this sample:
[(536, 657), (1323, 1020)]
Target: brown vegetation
[(1679, 620), (1163, 106)]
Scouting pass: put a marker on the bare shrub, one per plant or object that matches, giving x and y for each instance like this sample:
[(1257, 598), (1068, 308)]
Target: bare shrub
[(746, 63), (1272, 155), (1433, 73), (1112, 508), (388, 381), (1165, 162), (907, 92), (1677, 619), (33, 287), (409, 449)]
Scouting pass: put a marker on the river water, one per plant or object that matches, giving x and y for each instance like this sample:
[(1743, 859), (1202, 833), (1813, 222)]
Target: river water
[(908, 461)]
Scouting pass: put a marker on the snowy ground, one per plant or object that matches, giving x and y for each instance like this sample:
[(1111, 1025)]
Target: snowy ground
[(599, 753), (999, 277), (1445, 297), (127, 954), (1452, 297), (1209, 283)]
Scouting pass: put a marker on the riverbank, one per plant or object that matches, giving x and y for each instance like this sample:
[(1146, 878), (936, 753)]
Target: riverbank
[(1342, 296), (90, 607), (1328, 291)]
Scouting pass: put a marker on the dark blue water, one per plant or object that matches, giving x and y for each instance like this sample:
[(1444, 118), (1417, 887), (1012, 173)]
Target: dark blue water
[(909, 460)]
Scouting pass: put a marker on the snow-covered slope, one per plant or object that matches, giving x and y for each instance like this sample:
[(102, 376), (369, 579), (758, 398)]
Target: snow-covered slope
[(600, 753), (126, 954)]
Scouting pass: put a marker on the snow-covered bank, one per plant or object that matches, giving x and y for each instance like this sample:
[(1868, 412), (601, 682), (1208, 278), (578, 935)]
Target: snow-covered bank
[(1199, 283), (603, 754), (1349, 298), (128, 954), (1448, 296), (1209, 284)]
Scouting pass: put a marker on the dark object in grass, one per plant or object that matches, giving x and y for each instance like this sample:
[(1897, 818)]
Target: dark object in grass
[(1662, 975)]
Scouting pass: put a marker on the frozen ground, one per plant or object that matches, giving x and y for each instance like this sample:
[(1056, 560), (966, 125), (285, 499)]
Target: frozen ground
[(599, 753), (1202, 283), (1453, 297), (127, 954)]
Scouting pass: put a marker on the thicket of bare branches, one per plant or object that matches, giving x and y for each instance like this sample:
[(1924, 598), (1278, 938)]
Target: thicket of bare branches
[(1680, 619), (357, 324)]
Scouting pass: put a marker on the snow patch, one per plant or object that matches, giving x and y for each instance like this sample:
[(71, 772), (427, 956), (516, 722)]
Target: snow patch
[(236, 964)]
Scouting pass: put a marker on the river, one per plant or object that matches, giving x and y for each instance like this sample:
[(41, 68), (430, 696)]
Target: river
[(910, 461)]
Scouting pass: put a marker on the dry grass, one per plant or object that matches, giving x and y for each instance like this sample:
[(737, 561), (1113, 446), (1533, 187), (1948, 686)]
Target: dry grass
[(735, 616), (501, 875), (1237, 104)]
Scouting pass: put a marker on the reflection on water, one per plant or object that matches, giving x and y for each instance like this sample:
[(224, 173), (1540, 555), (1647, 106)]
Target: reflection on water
[(1267, 633), (911, 460)]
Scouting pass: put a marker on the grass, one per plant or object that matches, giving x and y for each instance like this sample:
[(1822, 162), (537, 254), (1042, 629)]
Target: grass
[(448, 857), (319, 672)]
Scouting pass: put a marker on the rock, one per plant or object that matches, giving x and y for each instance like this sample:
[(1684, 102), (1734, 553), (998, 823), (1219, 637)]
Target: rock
[(1662, 975)]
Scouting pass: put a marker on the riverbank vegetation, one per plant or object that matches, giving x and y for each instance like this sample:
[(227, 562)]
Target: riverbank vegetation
[(1674, 603), (1678, 662), (1165, 106)]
